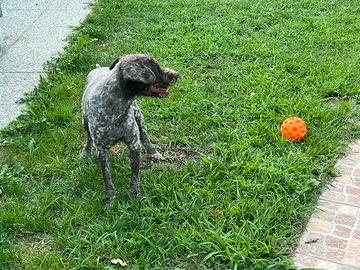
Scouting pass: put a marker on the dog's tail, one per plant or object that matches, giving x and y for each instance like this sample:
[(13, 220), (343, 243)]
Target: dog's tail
[(97, 66)]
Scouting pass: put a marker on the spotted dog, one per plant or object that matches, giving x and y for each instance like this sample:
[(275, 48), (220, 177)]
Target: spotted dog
[(111, 115)]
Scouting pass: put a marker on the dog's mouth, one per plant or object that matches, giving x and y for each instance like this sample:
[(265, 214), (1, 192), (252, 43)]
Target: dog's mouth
[(159, 91)]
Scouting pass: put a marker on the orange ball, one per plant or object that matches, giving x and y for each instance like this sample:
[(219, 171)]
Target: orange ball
[(293, 129)]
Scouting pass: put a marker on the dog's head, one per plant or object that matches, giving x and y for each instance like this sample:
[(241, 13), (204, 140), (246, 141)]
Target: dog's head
[(143, 76)]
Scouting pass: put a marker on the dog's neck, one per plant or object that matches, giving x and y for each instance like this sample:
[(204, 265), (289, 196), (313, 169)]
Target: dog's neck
[(121, 103)]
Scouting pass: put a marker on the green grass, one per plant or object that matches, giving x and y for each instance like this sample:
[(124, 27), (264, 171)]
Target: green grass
[(243, 204)]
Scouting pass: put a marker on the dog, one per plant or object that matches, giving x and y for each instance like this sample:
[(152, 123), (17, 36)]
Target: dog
[(111, 114)]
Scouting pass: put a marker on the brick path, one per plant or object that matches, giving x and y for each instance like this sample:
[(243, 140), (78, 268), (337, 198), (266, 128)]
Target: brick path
[(332, 238)]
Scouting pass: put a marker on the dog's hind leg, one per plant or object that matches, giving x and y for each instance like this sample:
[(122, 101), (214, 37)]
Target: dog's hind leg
[(88, 144)]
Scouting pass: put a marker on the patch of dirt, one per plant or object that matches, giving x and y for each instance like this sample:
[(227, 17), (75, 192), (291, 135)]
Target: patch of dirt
[(32, 246), (217, 213), (172, 155), (118, 149), (333, 102)]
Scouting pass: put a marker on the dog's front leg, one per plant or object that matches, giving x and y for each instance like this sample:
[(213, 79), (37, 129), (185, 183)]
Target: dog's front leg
[(135, 167), (150, 148), (109, 186)]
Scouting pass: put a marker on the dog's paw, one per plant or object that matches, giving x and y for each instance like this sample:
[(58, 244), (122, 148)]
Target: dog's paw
[(109, 200), (156, 156), (135, 191)]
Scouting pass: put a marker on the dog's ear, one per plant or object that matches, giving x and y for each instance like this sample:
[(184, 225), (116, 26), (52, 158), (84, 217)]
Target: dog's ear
[(114, 63), (138, 71)]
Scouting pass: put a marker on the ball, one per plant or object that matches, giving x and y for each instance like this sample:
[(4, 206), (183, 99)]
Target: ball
[(293, 129)]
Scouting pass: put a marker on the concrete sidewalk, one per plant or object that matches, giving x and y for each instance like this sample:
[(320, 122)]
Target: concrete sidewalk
[(33, 31)]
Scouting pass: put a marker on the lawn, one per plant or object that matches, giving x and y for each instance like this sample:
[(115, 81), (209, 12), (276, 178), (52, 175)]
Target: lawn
[(234, 194)]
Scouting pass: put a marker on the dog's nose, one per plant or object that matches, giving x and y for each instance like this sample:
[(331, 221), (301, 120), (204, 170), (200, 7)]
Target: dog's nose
[(174, 76), (170, 75)]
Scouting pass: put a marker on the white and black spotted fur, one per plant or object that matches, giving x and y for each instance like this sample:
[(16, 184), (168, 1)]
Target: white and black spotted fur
[(111, 115)]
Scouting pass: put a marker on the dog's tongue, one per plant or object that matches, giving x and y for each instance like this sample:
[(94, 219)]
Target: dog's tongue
[(163, 92)]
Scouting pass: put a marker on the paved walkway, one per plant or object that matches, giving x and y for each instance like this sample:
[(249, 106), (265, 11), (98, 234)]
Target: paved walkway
[(332, 238), (34, 31)]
